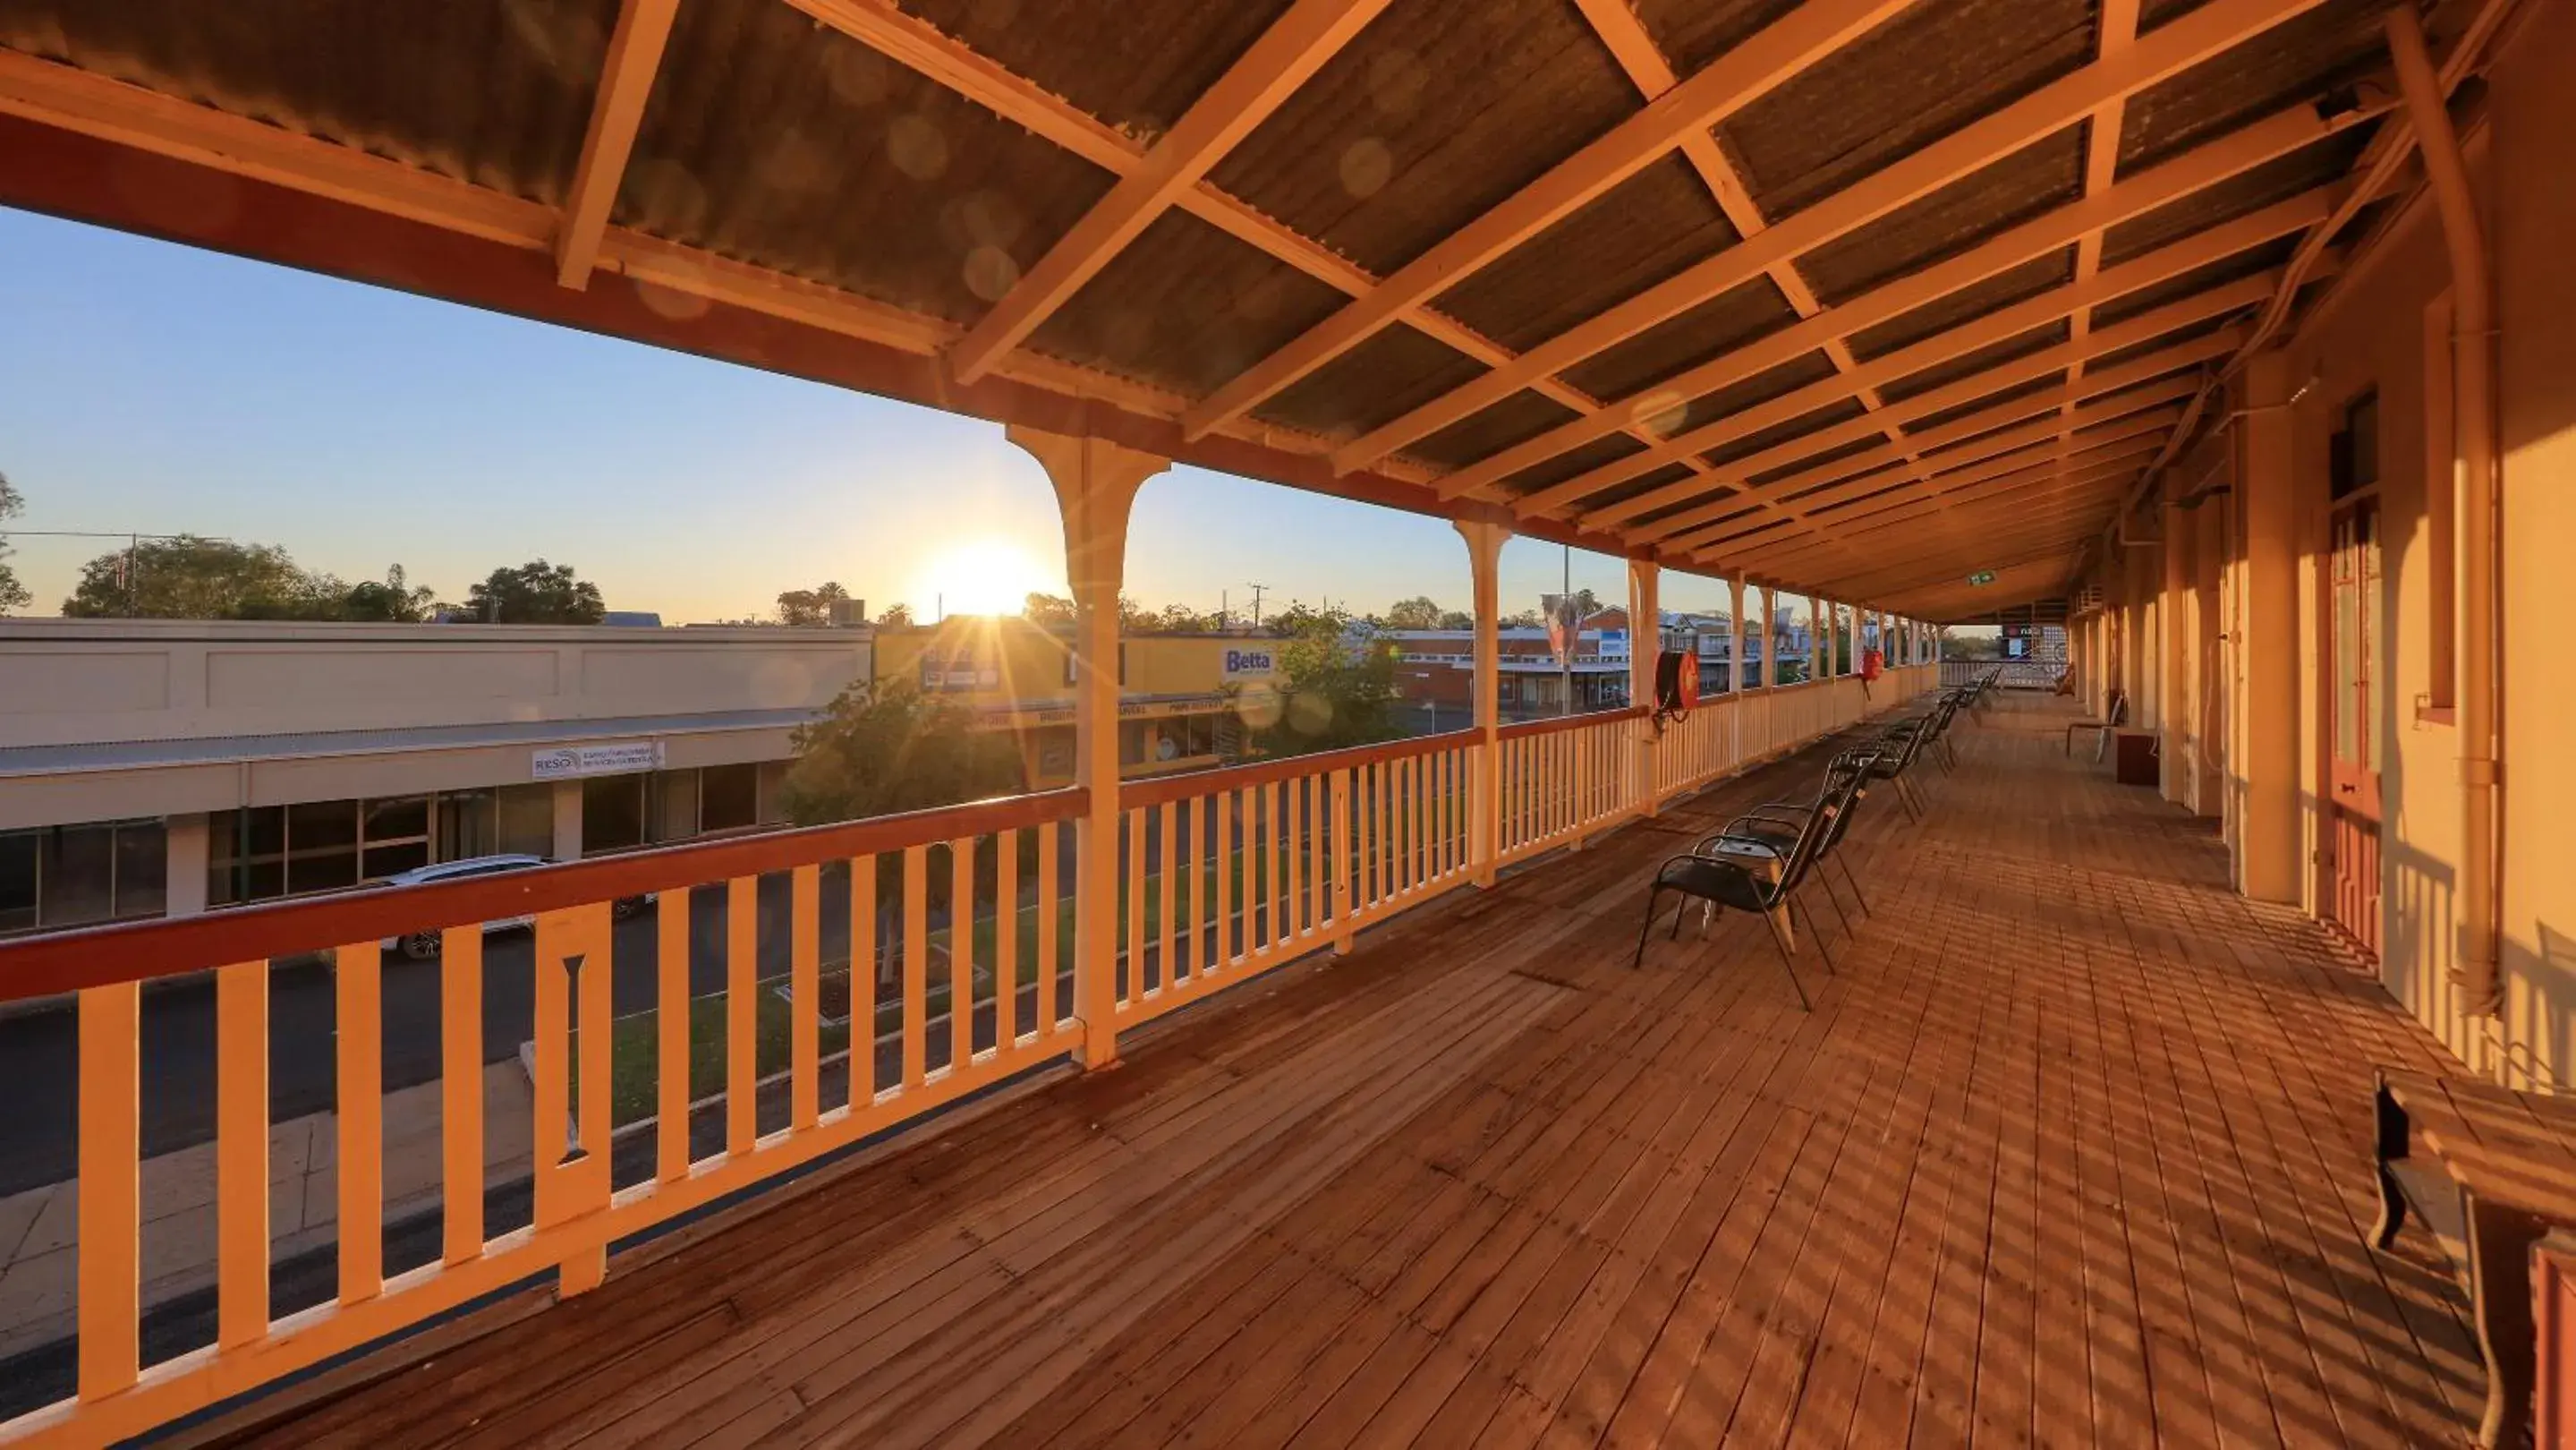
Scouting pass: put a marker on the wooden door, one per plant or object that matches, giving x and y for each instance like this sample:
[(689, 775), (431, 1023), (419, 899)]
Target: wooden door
[(2355, 706)]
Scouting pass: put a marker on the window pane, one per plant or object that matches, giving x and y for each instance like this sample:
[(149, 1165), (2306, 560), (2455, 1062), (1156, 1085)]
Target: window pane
[(325, 870), (142, 868), (252, 840), (267, 828), (527, 820), (384, 861), (18, 852), (267, 881), (317, 826), (468, 824), (675, 804), (79, 875), (728, 797), (612, 813), (321, 846), (397, 818)]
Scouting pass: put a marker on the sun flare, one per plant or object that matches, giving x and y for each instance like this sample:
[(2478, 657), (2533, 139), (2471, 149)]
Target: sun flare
[(978, 576)]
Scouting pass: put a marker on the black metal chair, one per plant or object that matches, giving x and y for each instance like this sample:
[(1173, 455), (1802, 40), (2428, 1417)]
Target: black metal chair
[(2106, 728), (1894, 760), (1772, 895), (1777, 824)]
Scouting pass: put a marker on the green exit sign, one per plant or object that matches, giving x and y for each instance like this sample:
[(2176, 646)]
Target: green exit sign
[(1982, 576)]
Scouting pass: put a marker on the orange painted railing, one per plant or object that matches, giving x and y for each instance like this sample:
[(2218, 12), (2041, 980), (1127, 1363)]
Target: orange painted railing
[(952, 969), (1231, 872)]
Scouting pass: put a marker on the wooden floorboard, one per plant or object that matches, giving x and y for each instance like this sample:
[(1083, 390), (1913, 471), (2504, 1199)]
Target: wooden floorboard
[(2072, 1149)]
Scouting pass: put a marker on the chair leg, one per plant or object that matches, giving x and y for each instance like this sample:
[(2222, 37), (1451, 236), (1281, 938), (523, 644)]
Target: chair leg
[(1645, 931), (1678, 913), (1835, 897), (1780, 944), (1816, 936), (2101, 745), (1855, 887)]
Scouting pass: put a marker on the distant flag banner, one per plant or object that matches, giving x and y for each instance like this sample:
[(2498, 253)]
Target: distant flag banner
[(1564, 614)]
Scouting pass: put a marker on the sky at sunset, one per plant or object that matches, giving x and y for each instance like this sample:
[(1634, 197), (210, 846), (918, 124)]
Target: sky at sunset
[(154, 388)]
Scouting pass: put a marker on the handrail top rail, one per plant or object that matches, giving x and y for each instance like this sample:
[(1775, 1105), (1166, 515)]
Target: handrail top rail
[(1188, 784), (1524, 729), (139, 951)]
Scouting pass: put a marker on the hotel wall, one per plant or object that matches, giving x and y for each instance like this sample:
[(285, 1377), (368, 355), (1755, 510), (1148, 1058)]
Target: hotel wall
[(2380, 331)]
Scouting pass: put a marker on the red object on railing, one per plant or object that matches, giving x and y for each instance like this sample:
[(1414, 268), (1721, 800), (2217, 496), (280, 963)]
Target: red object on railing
[(1872, 663)]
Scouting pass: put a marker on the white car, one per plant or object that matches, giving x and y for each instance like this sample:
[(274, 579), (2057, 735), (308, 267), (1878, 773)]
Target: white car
[(422, 945)]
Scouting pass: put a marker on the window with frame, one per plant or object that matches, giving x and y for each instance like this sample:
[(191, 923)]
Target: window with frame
[(55, 877), (264, 853)]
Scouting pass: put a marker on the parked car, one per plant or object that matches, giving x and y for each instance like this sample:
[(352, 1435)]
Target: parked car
[(422, 945)]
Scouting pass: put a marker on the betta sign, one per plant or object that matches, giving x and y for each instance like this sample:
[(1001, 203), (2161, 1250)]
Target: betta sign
[(1250, 664)]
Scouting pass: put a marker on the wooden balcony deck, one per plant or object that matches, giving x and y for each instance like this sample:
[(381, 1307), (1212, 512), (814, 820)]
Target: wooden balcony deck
[(2073, 1149)]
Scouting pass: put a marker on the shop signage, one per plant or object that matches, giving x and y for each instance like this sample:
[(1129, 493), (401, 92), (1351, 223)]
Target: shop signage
[(1250, 664), (564, 762)]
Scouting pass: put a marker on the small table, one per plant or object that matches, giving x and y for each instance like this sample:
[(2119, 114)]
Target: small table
[(2491, 1171)]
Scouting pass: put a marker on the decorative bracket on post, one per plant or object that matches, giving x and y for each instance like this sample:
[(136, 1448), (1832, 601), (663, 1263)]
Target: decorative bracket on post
[(1095, 488)]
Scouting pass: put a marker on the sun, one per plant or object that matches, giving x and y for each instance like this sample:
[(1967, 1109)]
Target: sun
[(979, 576)]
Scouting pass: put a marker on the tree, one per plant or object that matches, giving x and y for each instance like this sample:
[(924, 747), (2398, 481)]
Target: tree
[(1047, 609), (1457, 619), (13, 595), (1419, 612), (1336, 688), (1302, 618), (884, 747), (1526, 619), (896, 616), (536, 593), (1181, 619), (190, 577), (811, 608), (394, 601)]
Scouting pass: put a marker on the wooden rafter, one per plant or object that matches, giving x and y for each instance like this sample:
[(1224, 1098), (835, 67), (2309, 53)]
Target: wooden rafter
[(2019, 492), (2196, 250), (616, 113), (2119, 30), (2180, 43), (913, 43), (84, 103), (1652, 74), (1978, 436), (1910, 477), (2202, 167), (2046, 538), (1743, 75), (1820, 503), (2101, 421), (2198, 307), (1931, 441), (1897, 532), (1290, 51)]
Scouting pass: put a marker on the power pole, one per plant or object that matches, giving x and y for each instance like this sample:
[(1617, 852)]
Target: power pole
[(1573, 629), (1256, 604)]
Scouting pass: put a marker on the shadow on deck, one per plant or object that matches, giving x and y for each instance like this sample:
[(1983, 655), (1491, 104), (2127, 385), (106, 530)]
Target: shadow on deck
[(2073, 1149)]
